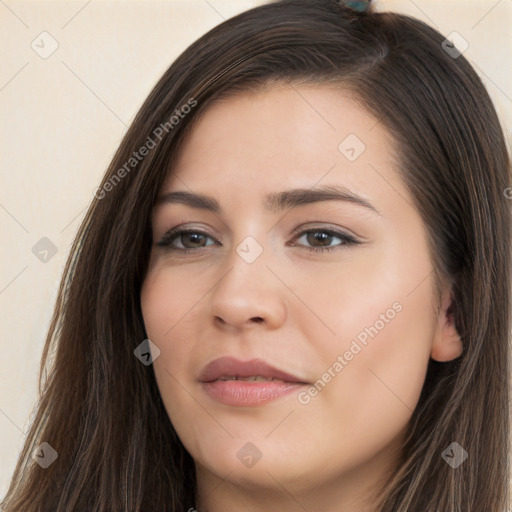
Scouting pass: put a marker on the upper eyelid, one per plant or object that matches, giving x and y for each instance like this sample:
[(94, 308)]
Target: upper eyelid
[(180, 229), (319, 224)]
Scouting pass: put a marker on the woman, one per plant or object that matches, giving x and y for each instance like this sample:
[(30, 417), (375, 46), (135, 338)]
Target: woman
[(213, 349)]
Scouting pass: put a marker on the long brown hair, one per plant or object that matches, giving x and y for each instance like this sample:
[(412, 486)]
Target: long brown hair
[(100, 408)]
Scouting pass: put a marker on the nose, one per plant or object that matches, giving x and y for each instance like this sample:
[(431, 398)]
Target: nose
[(248, 295)]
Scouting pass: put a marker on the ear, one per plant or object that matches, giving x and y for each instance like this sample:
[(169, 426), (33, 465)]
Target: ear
[(446, 344)]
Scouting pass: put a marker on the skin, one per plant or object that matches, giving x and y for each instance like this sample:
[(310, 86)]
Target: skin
[(296, 309)]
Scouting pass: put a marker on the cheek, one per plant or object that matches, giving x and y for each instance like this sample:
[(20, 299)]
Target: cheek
[(165, 316), (173, 305), (373, 368), (384, 361), (165, 298), (368, 403)]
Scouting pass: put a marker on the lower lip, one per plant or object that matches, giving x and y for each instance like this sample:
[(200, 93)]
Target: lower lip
[(243, 393)]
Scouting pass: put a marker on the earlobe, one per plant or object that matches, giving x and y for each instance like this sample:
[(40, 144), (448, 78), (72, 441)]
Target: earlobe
[(447, 344), (447, 349)]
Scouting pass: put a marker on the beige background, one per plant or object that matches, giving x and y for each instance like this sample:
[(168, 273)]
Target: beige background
[(64, 115)]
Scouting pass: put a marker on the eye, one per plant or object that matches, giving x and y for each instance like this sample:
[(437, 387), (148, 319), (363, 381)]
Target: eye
[(190, 239), (323, 237)]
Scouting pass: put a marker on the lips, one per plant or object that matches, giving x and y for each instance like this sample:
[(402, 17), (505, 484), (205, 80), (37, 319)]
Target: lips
[(246, 384), (255, 370)]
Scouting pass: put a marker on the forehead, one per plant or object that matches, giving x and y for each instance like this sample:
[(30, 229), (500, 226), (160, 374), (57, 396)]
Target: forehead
[(284, 137)]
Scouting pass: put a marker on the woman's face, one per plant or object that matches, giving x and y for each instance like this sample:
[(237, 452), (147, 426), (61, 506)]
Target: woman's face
[(332, 297)]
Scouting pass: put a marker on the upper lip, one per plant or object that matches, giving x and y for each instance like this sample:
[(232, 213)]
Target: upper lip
[(231, 367)]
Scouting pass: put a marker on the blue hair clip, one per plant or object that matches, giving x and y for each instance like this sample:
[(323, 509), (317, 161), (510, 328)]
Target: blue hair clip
[(356, 5)]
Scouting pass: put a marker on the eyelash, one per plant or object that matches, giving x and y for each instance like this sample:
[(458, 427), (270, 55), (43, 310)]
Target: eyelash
[(172, 234)]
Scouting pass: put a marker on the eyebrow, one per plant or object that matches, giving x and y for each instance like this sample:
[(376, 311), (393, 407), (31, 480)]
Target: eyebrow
[(274, 202)]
